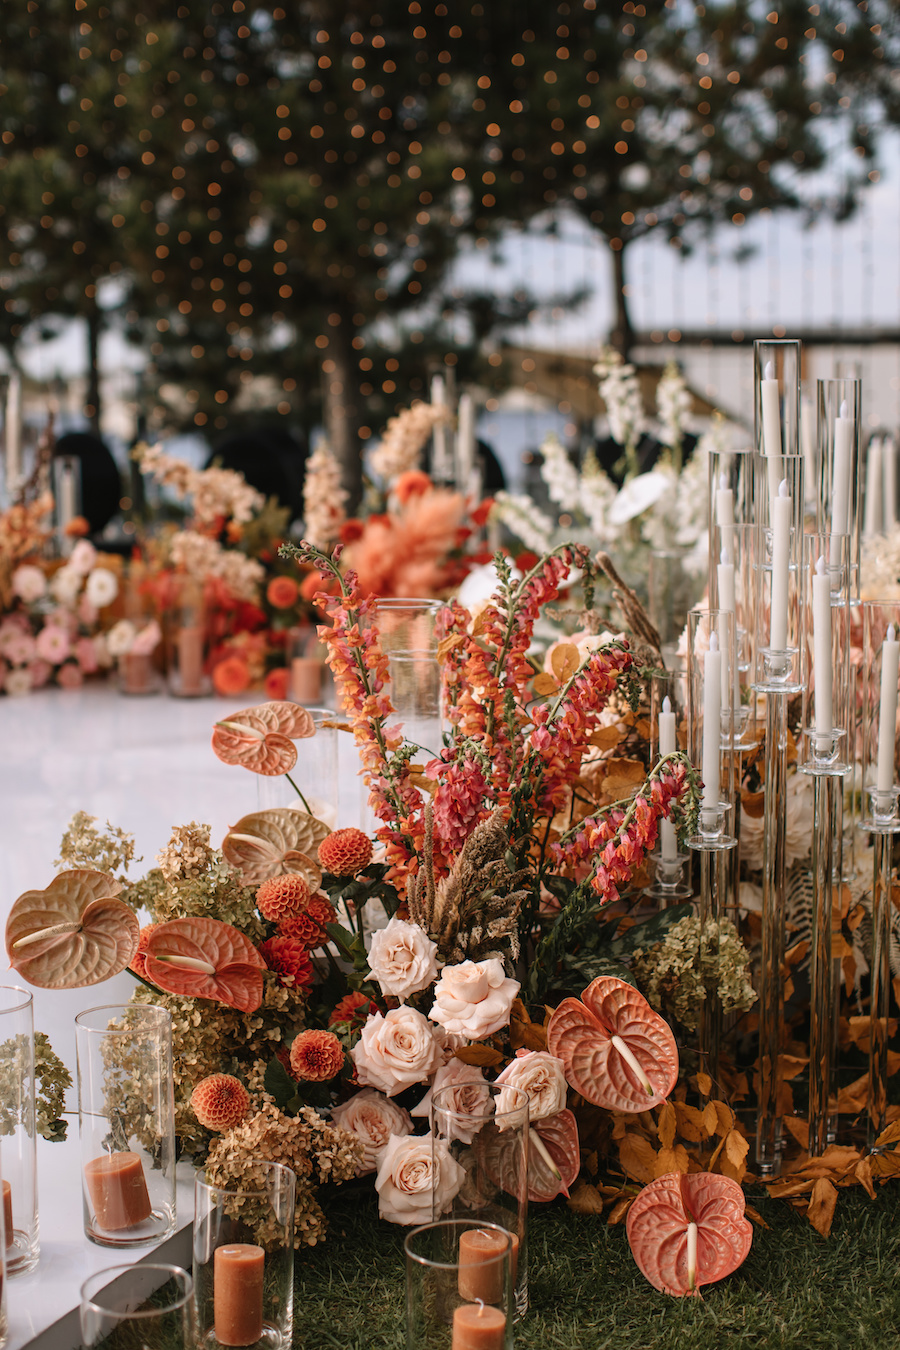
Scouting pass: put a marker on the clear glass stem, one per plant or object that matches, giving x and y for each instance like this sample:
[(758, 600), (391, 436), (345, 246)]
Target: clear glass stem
[(883, 847), (822, 1019), (709, 1029), (771, 984)]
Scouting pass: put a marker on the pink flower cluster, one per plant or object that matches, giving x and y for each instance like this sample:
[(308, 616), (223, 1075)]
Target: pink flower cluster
[(617, 842), (29, 661)]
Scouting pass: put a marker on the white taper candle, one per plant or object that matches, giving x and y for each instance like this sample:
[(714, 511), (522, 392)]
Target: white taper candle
[(782, 511), (712, 729), (822, 656), (887, 715)]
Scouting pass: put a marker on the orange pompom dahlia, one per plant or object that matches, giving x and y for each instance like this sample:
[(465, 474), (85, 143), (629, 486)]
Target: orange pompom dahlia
[(309, 927), (280, 896), (353, 1010), (345, 852), (316, 1056), (220, 1101), (281, 592), (289, 959)]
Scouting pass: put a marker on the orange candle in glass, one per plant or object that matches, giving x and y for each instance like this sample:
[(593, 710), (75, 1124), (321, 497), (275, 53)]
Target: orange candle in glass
[(238, 1271), (190, 658), (479, 1327), (306, 680), (7, 1213), (118, 1190), (481, 1264)]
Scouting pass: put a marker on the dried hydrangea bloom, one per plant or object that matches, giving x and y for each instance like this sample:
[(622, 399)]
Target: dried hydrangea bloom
[(315, 1150), (316, 1056), (280, 896), (345, 852), (220, 1102)]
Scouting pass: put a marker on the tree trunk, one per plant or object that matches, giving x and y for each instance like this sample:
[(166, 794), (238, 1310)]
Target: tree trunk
[(340, 400), (92, 401), (622, 336)]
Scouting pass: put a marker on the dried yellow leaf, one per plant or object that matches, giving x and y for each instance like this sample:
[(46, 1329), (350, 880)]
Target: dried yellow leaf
[(821, 1206), (638, 1157), (543, 684), (704, 1084), (690, 1122), (619, 1210), (672, 1160), (710, 1117), (482, 1056), (586, 1199), (564, 661), (665, 1126)]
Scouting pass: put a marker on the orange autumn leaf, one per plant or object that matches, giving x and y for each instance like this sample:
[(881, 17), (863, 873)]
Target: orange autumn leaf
[(620, 1209), (863, 1174), (638, 1157), (622, 777), (564, 661), (672, 1160), (544, 684), (821, 1206), (586, 1199), (690, 1122), (665, 1127), (203, 958), (482, 1056)]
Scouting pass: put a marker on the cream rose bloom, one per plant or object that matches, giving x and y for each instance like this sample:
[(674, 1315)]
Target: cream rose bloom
[(539, 1074), (29, 583), (464, 1093), (403, 958), (411, 1181), (372, 1118), (101, 587), (396, 1050), (474, 998)]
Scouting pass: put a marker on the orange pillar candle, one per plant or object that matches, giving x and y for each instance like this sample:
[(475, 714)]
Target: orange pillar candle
[(190, 658), (481, 1264), (238, 1293), (7, 1213), (306, 680), (137, 672), (118, 1190), (479, 1327)]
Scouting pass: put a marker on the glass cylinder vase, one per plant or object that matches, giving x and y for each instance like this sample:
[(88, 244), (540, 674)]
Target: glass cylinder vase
[(126, 1116), (147, 1307), (244, 1259), (492, 1145), (839, 490), (17, 1114), (315, 773), (408, 637), (459, 1286), (778, 573), (186, 643)]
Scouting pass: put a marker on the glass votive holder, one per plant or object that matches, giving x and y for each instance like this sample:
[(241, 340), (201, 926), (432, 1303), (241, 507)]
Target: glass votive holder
[(138, 1307), (491, 1143), (17, 1126), (407, 635), (244, 1259), (315, 773), (187, 634), (459, 1286), (879, 681), (305, 656), (126, 1116)]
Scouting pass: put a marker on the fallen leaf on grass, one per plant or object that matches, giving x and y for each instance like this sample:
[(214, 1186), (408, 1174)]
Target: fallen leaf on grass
[(638, 1157), (821, 1206), (586, 1199)]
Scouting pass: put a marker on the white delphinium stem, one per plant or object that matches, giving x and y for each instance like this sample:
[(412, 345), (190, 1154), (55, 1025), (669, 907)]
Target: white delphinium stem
[(404, 437), (673, 404), (621, 392), (323, 498), (525, 520), (559, 473)]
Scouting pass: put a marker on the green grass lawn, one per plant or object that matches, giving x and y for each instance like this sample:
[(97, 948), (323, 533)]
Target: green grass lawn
[(796, 1289)]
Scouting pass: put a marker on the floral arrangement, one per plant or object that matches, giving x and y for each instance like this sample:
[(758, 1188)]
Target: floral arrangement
[(53, 630)]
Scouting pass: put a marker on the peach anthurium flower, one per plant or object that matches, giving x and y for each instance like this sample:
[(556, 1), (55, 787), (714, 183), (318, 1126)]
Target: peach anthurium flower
[(685, 1231), (274, 843), (554, 1157), (616, 1051), (261, 739), (72, 934), (203, 958)]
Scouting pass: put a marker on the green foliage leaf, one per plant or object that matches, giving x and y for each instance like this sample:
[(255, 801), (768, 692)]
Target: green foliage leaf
[(279, 1083), (648, 933)]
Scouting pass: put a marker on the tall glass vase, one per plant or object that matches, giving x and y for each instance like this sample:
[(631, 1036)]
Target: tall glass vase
[(17, 1125)]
